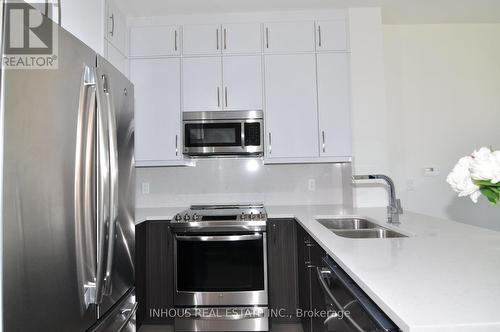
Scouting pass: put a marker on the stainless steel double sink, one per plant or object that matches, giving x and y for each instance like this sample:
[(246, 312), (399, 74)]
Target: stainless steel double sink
[(358, 228)]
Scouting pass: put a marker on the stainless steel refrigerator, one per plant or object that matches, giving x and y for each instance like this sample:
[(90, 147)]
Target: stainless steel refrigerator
[(68, 195)]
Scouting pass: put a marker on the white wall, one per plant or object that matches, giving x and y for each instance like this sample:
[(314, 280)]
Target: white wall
[(218, 181), (443, 94), (368, 104)]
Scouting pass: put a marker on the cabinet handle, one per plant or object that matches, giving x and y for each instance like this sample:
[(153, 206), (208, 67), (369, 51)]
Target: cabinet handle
[(324, 145), (175, 40), (176, 145), (217, 37), (270, 144), (267, 37), (218, 96), (319, 35), (225, 38), (59, 12), (112, 18), (225, 95)]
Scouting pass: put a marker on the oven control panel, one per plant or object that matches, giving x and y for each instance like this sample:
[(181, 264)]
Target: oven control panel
[(227, 214)]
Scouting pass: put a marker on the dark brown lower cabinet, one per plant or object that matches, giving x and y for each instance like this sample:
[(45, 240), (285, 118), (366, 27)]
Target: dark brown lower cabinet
[(311, 302), (282, 270), (154, 272)]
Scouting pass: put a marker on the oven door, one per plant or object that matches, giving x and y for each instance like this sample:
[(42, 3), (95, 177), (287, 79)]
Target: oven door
[(219, 137), (222, 270)]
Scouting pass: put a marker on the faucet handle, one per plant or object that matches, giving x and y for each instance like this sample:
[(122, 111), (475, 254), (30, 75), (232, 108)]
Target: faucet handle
[(399, 208)]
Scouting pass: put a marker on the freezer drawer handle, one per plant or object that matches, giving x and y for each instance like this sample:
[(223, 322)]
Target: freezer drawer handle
[(131, 314)]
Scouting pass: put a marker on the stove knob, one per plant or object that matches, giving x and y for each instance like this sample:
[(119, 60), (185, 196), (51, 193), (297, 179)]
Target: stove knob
[(261, 216), (187, 217), (196, 217), (252, 216), (243, 216), (178, 217)]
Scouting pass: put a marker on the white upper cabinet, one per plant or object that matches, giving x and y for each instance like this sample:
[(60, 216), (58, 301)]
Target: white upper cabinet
[(241, 38), (157, 110), (83, 19), (291, 106), (242, 82), (116, 26), (203, 39), (151, 41), (117, 59), (289, 37), (202, 84), (331, 35), (333, 105)]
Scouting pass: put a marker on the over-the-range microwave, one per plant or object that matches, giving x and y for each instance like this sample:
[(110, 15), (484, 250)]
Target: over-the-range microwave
[(223, 133)]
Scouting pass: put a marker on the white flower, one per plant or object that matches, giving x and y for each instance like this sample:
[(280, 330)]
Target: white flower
[(485, 165), (461, 181)]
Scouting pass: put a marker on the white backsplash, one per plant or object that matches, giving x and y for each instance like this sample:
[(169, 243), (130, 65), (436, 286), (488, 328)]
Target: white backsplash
[(226, 180)]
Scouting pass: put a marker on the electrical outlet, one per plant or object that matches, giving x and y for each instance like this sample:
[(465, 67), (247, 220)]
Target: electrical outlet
[(311, 185), (430, 171), (145, 188)]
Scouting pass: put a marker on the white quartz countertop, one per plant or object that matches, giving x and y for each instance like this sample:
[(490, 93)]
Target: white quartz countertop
[(444, 277)]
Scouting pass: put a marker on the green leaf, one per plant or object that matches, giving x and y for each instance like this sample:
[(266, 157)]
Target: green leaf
[(483, 183), (495, 189), (491, 195)]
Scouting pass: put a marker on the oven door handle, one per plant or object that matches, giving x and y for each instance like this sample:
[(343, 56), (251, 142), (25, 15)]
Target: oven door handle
[(203, 238)]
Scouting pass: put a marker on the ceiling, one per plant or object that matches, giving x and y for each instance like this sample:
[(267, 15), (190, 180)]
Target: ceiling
[(393, 11)]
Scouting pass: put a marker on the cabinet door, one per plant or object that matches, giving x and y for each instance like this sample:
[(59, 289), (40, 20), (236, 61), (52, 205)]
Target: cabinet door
[(116, 32), (317, 294), (140, 271), (291, 106), (304, 275), (241, 38), (242, 82), (283, 37), (84, 19), (157, 109), (331, 35), (202, 84), (333, 105), (160, 271), (154, 41), (282, 262), (201, 39), (117, 59)]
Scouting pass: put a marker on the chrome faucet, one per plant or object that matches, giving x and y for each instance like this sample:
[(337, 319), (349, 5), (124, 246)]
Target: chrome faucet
[(394, 209)]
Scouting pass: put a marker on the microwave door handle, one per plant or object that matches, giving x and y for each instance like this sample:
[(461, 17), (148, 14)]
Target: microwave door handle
[(320, 273), (243, 135)]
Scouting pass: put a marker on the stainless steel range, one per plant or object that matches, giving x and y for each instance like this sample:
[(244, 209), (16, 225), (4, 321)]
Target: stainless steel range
[(220, 277)]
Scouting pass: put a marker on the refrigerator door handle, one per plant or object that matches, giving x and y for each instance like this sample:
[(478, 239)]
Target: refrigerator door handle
[(131, 314), (113, 167), (84, 189), (103, 185)]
